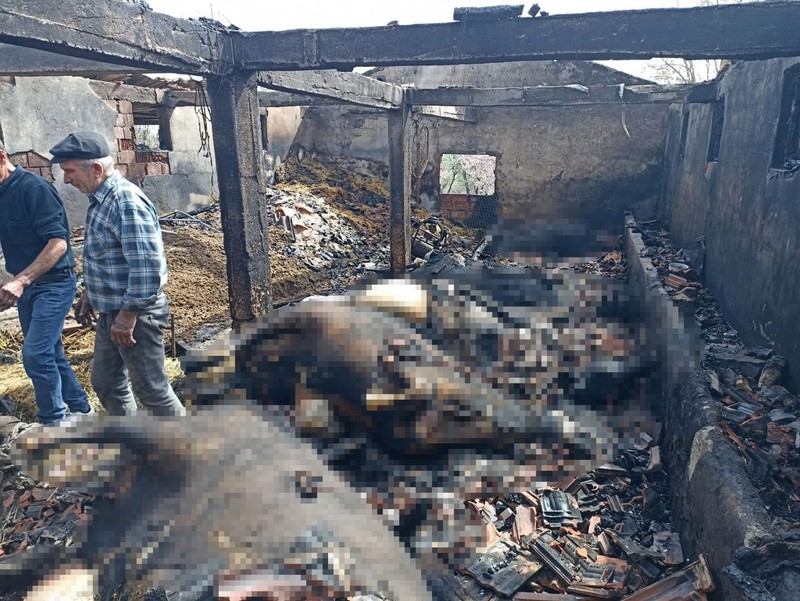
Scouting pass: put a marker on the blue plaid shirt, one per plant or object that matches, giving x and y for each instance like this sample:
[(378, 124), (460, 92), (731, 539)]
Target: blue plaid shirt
[(124, 266)]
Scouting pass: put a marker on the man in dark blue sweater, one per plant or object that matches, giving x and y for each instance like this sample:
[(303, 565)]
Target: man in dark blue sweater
[(34, 235)]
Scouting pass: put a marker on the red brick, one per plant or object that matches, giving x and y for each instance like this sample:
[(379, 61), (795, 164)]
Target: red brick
[(123, 133), (153, 169), (126, 157), (20, 158), (125, 106), (135, 170), (125, 144), (675, 281), (37, 160)]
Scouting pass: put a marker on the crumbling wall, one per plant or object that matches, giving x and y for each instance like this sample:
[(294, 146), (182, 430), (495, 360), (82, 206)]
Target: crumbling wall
[(192, 181), (748, 211), (579, 166), (575, 165), (37, 112)]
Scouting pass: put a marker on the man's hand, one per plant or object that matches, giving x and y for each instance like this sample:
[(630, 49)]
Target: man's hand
[(10, 292), (84, 312), (122, 328)]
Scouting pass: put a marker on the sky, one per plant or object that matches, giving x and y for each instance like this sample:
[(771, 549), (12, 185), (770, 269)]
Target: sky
[(277, 15), (273, 15)]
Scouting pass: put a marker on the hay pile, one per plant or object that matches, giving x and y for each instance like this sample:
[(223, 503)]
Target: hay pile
[(79, 348)]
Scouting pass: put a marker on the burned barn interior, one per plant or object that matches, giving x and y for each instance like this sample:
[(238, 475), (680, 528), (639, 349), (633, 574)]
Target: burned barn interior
[(505, 323)]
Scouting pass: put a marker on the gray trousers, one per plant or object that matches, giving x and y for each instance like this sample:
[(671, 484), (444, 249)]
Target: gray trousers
[(117, 370)]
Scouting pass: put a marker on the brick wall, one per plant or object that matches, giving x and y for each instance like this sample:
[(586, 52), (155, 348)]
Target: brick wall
[(132, 163), (457, 207), (33, 162)]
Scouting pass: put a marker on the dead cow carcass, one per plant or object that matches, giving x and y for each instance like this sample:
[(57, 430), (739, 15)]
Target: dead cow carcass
[(207, 502), (482, 358)]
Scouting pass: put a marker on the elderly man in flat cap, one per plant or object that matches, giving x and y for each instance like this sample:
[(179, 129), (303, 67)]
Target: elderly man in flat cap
[(124, 271), (34, 236)]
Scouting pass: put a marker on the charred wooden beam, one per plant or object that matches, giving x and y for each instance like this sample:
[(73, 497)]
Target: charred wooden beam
[(349, 87), (243, 204), (400, 188), (119, 91), (741, 31), (110, 31), (18, 60), (275, 99), (549, 95)]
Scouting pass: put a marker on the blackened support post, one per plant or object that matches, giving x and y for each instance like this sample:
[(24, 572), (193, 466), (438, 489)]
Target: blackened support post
[(400, 187), (243, 204)]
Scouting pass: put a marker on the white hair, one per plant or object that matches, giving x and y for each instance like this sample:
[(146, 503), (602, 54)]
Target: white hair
[(107, 163)]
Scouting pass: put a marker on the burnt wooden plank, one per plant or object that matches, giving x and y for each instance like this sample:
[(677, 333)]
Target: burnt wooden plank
[(275, 99), (18, 60), (243, 203), (744, 31), (399, 188), (549, 96), (110, 31), (349, 87), (170, 98)]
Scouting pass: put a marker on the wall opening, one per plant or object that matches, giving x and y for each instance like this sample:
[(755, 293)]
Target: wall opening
[(467, 184), (787, 141), (151, 128), (717, 123), (470, 174), (144, 140), (263, 120), (684, 133)]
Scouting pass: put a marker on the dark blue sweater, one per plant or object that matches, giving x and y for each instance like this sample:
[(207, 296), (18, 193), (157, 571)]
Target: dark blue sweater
[(31, 214)]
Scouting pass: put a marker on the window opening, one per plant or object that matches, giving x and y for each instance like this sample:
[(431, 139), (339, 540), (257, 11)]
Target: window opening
[(151, 127), (717, 123), (787, 143), (684, 133), (470, 174)]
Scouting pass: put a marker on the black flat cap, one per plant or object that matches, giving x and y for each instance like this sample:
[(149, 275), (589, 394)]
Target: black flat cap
[(80, 145)]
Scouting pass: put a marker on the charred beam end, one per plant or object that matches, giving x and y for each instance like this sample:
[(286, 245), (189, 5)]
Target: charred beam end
[(737, 31), (487, 13), (347, 87), (549, 96), (113, 32)]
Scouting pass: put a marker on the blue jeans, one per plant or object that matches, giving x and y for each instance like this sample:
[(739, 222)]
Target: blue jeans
[(42, 309)]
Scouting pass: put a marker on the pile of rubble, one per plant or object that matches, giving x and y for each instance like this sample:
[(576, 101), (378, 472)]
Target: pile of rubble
[(33, 513), (759, 415), (604, 535), (611, 265)]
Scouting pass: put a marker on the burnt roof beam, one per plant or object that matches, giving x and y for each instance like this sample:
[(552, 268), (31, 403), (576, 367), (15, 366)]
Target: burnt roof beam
[(109, 31), (574, 95), (740, 31), (348, 87)]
